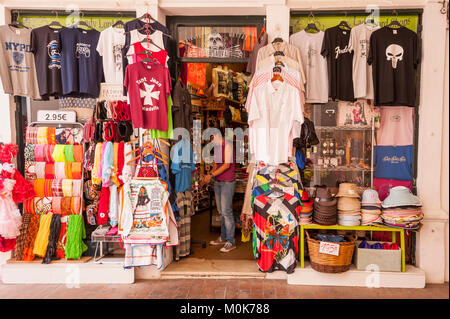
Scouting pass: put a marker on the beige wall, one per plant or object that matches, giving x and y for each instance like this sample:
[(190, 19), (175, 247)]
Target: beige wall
[(432, 181)]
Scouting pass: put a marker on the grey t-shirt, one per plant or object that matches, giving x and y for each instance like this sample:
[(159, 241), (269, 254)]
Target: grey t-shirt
[(17, 68)]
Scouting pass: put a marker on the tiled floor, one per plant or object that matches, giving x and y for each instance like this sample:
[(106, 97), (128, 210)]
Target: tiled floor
[(215, 288)]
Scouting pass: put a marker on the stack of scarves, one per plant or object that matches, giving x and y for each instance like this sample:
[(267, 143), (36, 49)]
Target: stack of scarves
[(52, 135), (57, 187)]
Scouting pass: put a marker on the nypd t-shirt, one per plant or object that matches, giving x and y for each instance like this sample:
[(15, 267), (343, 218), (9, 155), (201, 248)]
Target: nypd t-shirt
[(393, 162)]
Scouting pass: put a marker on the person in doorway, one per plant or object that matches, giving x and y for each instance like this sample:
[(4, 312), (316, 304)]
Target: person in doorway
[(222, 174)]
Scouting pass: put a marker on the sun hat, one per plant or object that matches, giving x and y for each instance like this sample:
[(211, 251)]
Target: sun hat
[(348, 203), (326, 210), (370, 198), (347, 190), (324, 197), (401, 196)]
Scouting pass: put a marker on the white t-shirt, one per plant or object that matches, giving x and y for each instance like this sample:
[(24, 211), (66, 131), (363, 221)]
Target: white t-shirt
[(136, 36), (314, 64), (275, 106), (362, 72), (110, 44)]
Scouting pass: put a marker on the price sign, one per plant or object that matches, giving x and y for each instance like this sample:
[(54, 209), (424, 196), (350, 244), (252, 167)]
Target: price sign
[(109, 91), (56, 116), (329, 248)]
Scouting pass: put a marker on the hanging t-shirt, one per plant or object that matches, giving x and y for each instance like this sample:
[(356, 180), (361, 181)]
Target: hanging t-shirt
[(148, 86), (362, 72), (314, 64), (335, 48), (110, 44), (44, 45), (394, 56), (393, 162), (17, 66), (182, 165), (160, 56), (397, 126), (81, 65)]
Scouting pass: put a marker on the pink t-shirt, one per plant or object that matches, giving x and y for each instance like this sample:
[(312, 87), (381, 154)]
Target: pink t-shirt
[(148, 86), (383, 186), (396, 126)]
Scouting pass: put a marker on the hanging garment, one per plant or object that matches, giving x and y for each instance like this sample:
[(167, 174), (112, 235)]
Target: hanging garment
[(10, 218), (186, 210)]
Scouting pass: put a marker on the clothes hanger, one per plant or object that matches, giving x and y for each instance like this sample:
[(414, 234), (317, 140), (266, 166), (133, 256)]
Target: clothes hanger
[(394, 23), (343, 24), (81, 22), (16, 23), (149, 16), (119, 22), (56, 23), (311, 25), (370, 21)]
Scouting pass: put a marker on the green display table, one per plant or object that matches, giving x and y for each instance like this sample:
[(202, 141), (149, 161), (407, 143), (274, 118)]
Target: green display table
[(364, 228)]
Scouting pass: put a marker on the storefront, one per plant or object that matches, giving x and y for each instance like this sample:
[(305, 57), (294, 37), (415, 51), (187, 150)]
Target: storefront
[(208, 34)]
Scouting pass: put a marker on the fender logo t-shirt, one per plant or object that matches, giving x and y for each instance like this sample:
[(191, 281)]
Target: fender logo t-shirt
[(148, 86)]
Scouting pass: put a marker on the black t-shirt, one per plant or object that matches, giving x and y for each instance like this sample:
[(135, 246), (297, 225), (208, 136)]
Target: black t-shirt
[(339, 60), (82, 66), (394, 55), (47, 57)]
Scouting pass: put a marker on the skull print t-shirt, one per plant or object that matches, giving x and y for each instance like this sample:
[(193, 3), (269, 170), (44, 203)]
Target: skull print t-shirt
[(394, 56), (44, 45), (17, 66), (335, 48), (110, 46), (148, 86)]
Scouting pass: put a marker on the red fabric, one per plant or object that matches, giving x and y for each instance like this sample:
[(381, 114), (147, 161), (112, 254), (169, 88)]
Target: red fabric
[(61, 241), (103, 206), (22, 190), (8, 152), (7, 244), (120, 160)]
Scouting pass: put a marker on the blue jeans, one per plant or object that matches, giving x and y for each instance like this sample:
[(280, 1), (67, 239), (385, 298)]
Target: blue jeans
[(224, 192)]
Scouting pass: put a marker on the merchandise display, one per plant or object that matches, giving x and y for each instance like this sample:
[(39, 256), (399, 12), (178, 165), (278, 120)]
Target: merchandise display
[(348, 205)]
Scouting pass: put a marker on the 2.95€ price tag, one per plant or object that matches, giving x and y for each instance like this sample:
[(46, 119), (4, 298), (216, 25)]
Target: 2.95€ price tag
[(329, 248), (56, 116)]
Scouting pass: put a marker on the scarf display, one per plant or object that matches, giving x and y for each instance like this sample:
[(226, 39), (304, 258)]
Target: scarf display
[(76, 232), (41, 242), (55, 229)]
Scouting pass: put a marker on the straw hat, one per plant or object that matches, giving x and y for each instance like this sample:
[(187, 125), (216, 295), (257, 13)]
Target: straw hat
[(347, 190), (348, 203)]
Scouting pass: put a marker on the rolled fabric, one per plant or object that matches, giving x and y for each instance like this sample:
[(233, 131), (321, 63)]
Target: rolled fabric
[(51, 135), (76, 170), (66, 206), (41, 242), (49, 152), (78, 153), (59, 153), (33, 228), (31, 135), (38, 186), (48, 191), (67, 187), (28, 206), (56, 205), (39, 152), (68, 152), (60, 136), (29, 152), (49, 170), (43, 205), (75, 205), (76, 187), (103, 206), (57, 189), (40, 170), (42, 135), (60, 170), (53, 236), (68, 170), (76, 232)]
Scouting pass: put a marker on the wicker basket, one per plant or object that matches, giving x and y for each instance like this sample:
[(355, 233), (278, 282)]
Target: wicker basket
[(330, 263)]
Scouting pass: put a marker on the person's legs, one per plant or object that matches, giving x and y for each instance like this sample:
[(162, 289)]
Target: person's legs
[(217, 194), (227, 217)]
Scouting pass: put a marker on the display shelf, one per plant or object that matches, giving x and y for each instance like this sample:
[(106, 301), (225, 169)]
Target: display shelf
[(343, 128), (352, 228)]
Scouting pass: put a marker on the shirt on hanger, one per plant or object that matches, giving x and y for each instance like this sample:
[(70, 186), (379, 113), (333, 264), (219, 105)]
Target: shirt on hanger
[(17, 66), (393, 162), (397, 126), (160, 56), (394, 55), (110, 44), (136, 36), (259, 43), (274, 108), (182, 165), (149, 86), (362, 71), (335, 48), (81, 65), (314, 64), (47, 57), (269, 62)]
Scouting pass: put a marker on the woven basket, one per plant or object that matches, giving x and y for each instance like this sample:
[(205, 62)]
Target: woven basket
[(330, 263)]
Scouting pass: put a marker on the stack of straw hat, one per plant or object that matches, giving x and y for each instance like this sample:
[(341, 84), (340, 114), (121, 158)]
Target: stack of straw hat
[(402, 209), (325, 209), (370, 208), (348, 205), (306, 210)]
